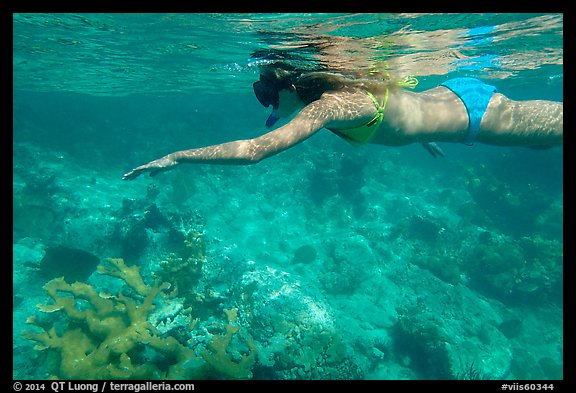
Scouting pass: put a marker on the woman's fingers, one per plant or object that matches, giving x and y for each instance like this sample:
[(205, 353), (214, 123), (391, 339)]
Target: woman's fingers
[(154, 167)]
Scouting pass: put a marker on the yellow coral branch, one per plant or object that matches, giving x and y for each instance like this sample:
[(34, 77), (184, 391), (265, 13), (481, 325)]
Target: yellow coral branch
[(129, 274), (109, 330), (222, 361)]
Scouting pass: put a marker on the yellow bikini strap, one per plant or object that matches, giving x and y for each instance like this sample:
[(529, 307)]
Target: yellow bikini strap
[(379, 109), (408, 81), (382, 107)]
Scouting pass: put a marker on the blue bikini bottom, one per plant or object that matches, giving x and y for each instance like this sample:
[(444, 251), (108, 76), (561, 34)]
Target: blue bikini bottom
[(475, 95)]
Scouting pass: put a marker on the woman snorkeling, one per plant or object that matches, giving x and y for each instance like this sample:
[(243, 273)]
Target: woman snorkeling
[(377, 110)]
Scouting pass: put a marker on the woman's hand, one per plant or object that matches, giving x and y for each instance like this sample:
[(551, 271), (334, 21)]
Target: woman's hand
[(154, 167)]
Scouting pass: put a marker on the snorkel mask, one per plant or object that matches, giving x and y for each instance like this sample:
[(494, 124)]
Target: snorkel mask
[(266, 91)]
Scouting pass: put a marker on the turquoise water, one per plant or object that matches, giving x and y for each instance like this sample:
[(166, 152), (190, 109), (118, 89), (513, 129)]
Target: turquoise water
[(327, 261)]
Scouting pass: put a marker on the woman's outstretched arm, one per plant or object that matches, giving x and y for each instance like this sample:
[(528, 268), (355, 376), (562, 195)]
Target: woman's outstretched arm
[(310, 120), (240, 152)]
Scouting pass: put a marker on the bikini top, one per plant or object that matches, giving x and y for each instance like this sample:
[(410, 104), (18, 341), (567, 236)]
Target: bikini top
[(364, 133)]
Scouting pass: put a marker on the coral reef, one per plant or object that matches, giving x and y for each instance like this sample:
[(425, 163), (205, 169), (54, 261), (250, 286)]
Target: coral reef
[(438, 335), (443, 263), (141, 225), (130, 234), (528, 270), (295, 331), (184, 268), (110, 336), (424, 347), (470, 373), (515, 211), (106, 335), (226, 364), (348, 265)]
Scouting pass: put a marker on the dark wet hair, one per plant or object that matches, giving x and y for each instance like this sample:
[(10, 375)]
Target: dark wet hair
[(309, 85)]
